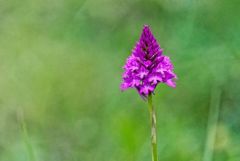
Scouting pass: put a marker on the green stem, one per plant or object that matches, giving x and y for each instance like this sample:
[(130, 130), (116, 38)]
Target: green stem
[(26, 137), (153, 129), (212, 123)]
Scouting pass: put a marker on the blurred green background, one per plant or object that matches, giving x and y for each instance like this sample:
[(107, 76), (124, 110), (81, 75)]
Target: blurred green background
[(60, 70)]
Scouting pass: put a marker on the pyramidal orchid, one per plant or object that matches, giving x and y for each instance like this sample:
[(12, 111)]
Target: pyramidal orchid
[(145, 68)]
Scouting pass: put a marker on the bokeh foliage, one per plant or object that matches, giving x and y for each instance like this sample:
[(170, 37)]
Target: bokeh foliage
[(60, 70)]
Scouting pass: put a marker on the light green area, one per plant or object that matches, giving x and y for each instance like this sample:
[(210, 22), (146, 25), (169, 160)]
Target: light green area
[(60, 65)]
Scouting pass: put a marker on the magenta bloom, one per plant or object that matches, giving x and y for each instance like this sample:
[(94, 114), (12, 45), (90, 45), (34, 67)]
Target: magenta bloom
[(146, 67)]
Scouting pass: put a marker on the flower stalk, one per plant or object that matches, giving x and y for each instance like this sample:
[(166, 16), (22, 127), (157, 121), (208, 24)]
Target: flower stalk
[(153, 128), (212, 123), (26, 138)]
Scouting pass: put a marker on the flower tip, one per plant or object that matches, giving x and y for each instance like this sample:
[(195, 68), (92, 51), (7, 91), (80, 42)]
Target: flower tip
[(146, 28), (123, 87), (171, 83)]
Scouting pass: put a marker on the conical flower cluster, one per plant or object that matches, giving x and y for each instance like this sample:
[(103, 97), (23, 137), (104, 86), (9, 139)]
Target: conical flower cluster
[(146, 67)]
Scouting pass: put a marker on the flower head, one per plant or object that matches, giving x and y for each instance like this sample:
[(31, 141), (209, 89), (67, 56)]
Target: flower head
[(146, 67)]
